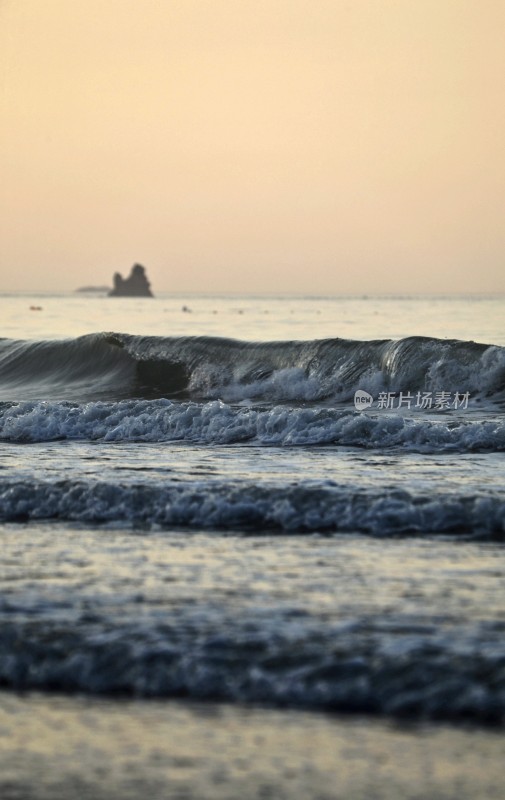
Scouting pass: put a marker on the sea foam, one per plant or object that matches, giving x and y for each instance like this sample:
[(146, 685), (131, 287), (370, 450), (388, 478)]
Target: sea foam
[(216, 422), (311, 506)]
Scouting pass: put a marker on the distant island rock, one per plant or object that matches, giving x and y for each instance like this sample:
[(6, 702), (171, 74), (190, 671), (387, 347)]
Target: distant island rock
[(136, 285), (93, 289)]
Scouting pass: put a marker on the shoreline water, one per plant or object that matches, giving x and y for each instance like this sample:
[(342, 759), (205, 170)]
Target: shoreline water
[(261, 541), (55, 748)]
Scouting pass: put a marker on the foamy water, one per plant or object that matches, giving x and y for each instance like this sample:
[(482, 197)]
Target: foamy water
[(192, 504)]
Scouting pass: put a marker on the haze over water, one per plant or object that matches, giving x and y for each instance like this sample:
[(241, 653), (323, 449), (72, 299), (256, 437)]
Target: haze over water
[(258, 146)]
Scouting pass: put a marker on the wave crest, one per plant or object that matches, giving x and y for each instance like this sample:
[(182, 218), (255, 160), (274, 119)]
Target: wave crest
[(114, 366), (311, 506)]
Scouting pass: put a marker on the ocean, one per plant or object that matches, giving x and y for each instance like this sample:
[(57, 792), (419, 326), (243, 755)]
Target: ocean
[(227, 515)]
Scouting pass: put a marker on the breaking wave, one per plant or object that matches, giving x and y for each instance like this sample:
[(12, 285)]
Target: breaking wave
[(216, 422), (309, 506), (116, 366)]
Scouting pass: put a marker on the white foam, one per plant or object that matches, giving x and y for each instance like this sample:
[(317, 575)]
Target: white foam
[(236, 505), (219, 423)]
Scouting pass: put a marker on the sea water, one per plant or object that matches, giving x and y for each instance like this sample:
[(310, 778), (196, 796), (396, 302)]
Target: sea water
[(196, 502)]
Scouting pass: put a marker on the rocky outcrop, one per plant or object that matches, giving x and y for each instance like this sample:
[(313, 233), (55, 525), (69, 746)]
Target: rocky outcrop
[(136, 285)]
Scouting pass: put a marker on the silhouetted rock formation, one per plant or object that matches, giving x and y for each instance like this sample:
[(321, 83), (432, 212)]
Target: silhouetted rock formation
[(136, 285)]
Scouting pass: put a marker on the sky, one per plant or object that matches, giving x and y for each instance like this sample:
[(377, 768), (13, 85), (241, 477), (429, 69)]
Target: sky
[(284, 146)]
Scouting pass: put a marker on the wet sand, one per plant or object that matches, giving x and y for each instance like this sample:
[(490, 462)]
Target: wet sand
[(65, 748)]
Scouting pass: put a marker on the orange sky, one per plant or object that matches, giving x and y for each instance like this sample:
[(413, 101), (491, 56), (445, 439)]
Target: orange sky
[(253, 145)]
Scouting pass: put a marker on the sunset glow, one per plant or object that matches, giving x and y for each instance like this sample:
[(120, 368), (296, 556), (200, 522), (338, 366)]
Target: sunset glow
[(278, 146)]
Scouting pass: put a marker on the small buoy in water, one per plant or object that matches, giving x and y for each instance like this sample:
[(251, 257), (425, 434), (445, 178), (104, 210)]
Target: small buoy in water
[(186, 310)]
